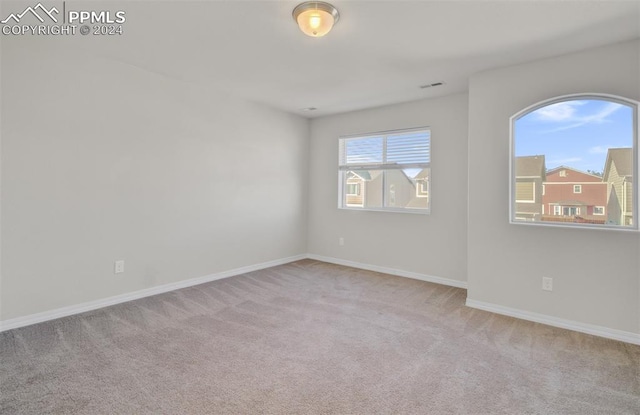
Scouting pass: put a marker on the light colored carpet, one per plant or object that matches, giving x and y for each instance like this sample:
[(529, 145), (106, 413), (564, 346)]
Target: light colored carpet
[(311, 338)]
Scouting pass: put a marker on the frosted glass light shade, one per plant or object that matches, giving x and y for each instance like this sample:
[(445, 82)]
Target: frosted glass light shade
[(315, 18)]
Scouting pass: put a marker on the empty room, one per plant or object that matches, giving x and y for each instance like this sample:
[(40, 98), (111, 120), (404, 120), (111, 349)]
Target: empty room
[(342, 207)]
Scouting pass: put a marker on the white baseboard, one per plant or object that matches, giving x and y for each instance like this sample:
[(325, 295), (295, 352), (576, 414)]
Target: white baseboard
[(623, 336), (605, 332), (122, 298), (391, 271)]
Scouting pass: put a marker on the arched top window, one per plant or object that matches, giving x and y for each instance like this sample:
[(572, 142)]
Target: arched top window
[(574, 162)]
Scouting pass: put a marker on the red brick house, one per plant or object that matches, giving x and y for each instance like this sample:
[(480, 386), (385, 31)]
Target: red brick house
[(570, 195)]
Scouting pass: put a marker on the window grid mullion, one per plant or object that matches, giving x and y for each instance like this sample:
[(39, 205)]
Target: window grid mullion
[(384, 172)]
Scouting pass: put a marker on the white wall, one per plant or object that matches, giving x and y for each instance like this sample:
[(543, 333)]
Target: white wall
[(104, 161), (432, 245), (596, 273)]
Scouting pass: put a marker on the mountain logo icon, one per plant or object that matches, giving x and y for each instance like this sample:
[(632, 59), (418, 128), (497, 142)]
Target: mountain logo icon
[(34, 11)]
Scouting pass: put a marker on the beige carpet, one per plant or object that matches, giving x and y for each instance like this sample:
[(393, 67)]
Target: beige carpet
[(311, 338)]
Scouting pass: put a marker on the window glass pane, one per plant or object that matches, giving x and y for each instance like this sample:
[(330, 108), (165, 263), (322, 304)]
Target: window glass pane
[(581, 152), (408, 148), (368, 184), (363, 151), (407, 188)]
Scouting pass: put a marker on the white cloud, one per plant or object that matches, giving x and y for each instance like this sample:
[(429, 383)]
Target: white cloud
[(568, 112), (601, 116), (598, 150), (561, 111)]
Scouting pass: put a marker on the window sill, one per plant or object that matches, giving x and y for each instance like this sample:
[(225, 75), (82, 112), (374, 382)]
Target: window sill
[(389, 210), (566, 225)]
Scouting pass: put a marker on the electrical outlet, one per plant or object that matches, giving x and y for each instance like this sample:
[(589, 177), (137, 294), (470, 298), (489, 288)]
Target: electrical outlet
[(118, 267), (547, 284), (341, 241)]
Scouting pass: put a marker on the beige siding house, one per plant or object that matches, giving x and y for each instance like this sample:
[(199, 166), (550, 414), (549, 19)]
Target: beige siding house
[(530, 173), (618, 174), (356, 188)]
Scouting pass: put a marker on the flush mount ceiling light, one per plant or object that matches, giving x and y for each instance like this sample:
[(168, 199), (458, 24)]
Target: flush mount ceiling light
[(315, 18)]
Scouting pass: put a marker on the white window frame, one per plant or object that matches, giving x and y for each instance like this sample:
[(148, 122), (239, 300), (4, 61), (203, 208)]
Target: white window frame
[(382, 166), (598, 207), (577, 188), (635, 105)]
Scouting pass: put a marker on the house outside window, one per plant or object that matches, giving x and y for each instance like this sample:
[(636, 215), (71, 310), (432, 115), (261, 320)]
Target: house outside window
[(598, 210), (577, 188)]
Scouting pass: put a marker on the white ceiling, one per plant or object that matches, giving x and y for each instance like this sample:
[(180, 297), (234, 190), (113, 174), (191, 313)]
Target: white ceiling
[(379, 53)]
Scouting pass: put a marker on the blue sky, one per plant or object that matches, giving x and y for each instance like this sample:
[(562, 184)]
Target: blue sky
[(575, 133)]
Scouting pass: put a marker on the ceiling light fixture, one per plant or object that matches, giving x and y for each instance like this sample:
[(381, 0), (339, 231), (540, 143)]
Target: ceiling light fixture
[(315, 18)]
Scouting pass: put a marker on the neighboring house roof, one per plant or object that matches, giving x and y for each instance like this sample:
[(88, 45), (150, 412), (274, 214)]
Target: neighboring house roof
[(363, 174), (623, 160), (530, 166), (570, 203), (372, 174), (590, 177), (424, 173)]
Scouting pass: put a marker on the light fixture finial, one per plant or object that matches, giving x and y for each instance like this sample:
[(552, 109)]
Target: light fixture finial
[(315, 18)]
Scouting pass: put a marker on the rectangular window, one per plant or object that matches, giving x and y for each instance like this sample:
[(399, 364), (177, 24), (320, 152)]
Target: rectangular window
[(525, 192), (598, 210), (392, 170), (557, 210), (353, 189), (570, 211), (577, 188)]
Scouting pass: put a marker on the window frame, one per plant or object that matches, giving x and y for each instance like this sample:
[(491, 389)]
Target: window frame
[(420, 192), (635, 105), (342, 205), (577, 189)]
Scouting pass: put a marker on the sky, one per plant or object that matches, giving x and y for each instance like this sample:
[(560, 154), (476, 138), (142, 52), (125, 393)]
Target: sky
[(575, 133)]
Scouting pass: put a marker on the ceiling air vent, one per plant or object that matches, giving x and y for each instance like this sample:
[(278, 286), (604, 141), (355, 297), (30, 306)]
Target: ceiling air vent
[(431, 85)]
